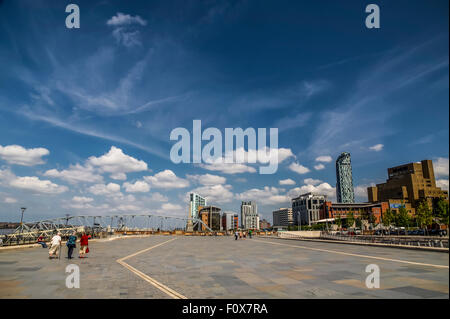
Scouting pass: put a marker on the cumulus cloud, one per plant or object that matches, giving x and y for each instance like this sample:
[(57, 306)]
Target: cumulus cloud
[(298, 168), (325, 159), (166, 179), (171, 209), (319, 167), (75, 174), (215, 193), (311, 181), (377, 147), (158, 197), (265, 196), (287, 181), (137, 187), (117, 163), (207, 179), (323, 189), (440, 166), (111, 189), (82, 199), (34, 184), (232, 168), (442, 183), (16, 154)]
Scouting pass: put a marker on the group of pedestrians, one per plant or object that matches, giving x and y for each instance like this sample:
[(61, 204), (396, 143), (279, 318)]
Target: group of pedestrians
[(56, 242), (241, 234)]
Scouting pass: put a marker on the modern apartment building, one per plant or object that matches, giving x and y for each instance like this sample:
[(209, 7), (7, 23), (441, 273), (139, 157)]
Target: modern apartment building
[(249, 215), (344, 179), (195, 202), (229, 221), (210, 215), (408, 185), (283, 217), (306, 208)]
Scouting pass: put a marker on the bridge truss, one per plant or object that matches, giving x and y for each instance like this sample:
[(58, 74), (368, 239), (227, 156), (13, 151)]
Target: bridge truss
[(31, 231)]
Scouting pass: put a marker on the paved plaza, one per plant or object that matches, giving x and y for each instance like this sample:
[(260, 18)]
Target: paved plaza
[(220, 267)]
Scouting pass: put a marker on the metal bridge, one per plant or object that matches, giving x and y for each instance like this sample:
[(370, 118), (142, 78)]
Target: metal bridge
[(29, 232)]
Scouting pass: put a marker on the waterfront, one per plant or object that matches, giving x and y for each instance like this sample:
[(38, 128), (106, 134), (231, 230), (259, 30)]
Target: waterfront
[(220, 267)]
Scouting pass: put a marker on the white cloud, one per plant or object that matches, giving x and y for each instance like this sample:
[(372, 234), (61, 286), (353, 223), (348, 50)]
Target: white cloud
[(440, 166), (166, 179), (325, 159), (226, 168), (298, 168), (138, 187), (117, 163), (311, 181), (111, 189), (82, 200), (361, 192), (158, 197), (9, 200), (75, 174), (215, 194), (16, 154), (319, 167), (266, 196), (323, 189), (442, 183), (172, 210), (377, 147), (287, 181), (125, 19), (34, 184), (207, 179)]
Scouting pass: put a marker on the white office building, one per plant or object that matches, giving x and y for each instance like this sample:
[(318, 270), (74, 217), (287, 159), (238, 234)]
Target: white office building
[(249, 215)]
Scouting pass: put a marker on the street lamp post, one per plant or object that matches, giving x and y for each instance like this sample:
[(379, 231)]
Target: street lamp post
[(21, 219)]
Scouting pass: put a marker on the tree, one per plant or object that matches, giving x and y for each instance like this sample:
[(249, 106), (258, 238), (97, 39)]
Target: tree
[(358, 222), (371, 220), (388, 217), (402, 219), (338, 221), (350, 219), (441, 211), (424, 216)]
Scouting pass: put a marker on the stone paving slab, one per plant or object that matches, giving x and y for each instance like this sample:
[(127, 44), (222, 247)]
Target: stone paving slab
[(220, 267)]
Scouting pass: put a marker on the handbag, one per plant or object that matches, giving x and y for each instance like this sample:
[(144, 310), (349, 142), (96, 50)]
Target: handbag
[(87, 250)]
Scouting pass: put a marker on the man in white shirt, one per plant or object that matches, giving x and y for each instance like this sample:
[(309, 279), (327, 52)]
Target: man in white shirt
[(55, 246)]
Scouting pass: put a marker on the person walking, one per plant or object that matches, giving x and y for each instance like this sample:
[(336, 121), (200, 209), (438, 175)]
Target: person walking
[(236, 235), (83, 245), (71, 244), (55, 246), (250, 234)]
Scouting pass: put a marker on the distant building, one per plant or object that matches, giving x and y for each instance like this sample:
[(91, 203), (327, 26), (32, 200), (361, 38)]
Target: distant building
[(249, 215), (230, 221), (283, 217), (359, 210), (210, 215), (344, 180), (408, 185), (264, 224), (196, 201), (306, 208)]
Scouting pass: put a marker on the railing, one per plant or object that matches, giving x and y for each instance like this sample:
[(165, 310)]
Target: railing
[(416, 241)]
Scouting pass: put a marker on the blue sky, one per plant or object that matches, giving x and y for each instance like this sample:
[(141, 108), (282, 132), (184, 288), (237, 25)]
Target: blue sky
[(86, 114)]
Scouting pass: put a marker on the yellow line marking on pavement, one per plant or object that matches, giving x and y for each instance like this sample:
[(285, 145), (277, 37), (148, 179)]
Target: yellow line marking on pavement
[(172, 293), (356, 255)]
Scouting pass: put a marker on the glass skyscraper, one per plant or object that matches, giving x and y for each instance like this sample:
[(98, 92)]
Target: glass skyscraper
[(344, 179)]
